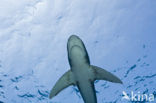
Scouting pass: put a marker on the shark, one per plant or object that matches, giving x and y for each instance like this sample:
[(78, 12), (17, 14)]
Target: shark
[(81, 74)]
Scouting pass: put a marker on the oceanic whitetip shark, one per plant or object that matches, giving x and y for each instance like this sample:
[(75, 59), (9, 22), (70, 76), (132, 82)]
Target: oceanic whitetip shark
[(81, 74)]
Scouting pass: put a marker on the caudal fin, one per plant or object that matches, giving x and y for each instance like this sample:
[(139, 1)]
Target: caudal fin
[(101, 74)]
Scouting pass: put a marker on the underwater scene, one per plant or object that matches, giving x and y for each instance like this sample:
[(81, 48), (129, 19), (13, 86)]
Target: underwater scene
[(119, 36)]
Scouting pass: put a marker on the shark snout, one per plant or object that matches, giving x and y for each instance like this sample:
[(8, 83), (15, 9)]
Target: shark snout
[(73, 37), (74, 41)]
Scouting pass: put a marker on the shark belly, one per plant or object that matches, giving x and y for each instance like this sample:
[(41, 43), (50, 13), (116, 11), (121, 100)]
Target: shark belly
[(87, 91), (85, 84)]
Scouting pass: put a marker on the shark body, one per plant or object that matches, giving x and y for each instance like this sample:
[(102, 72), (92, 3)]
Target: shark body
[(81, 74)]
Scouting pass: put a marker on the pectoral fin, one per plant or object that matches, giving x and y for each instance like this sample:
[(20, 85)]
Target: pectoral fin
[(65, 81), (101, 74)]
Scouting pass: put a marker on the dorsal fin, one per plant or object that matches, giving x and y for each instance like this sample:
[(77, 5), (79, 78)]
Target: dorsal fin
[(65, 81)]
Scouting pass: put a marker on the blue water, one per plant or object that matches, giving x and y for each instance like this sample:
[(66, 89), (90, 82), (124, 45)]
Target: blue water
[(120, 36)]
